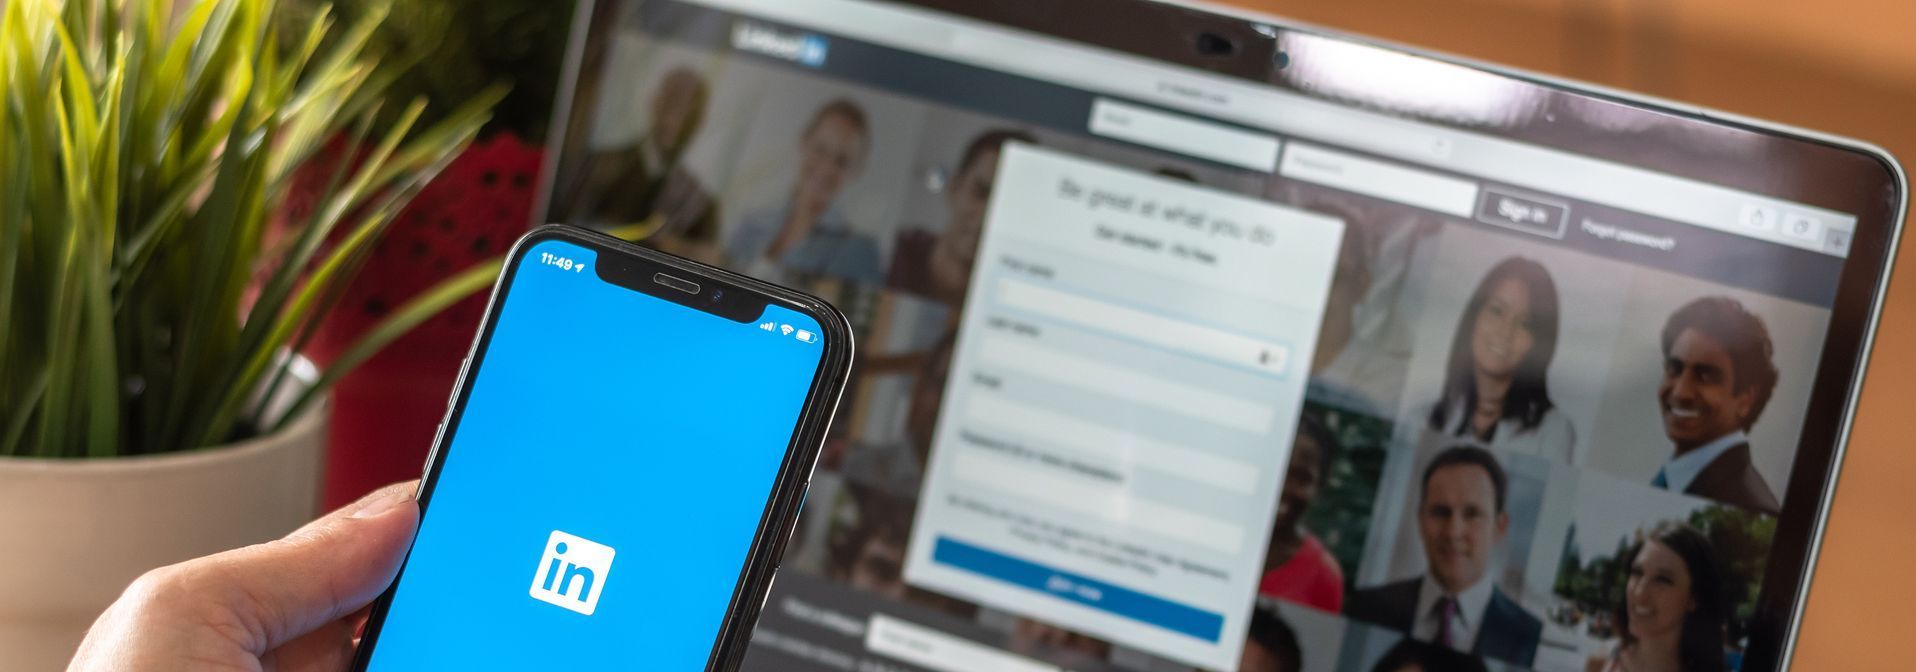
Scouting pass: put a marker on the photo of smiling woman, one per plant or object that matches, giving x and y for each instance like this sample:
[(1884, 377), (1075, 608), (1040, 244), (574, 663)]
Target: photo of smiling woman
[(1297, 566), (1672, 616), (1496, 389)]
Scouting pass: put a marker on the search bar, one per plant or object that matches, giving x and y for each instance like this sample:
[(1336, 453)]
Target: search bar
[(1184, 135), (1176, 335), (1387, 181)]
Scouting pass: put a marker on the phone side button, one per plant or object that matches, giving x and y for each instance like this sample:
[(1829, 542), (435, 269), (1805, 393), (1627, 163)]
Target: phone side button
[(458, 384), (791, 530), (438, 436), (769, 587)]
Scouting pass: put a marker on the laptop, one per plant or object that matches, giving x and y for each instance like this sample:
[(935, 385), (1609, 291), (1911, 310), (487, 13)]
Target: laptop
[(1197, 340)]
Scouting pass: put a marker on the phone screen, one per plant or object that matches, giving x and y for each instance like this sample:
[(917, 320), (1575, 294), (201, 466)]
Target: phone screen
[(601, 487)]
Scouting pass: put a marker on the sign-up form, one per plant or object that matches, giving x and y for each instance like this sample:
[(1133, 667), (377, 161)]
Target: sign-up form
[(1130, 366)]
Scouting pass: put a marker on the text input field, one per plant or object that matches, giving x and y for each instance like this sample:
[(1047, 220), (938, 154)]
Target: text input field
[(1176, 335), (1097, 377), (931, 649), (1184, 135), (1387, 181), (1058, 491), (1124, 448)]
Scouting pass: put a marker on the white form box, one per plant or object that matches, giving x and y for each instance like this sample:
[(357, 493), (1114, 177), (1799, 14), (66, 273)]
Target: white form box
[(1127, 340)]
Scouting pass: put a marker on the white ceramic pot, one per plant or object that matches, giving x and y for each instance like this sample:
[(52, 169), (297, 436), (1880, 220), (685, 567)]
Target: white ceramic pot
[(75, 532)]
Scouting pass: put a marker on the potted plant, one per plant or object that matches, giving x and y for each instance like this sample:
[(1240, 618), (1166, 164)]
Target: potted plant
[(384, 413), (153, 406)]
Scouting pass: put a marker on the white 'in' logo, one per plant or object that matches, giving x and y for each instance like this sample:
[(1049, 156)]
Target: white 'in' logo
[(572, 573)]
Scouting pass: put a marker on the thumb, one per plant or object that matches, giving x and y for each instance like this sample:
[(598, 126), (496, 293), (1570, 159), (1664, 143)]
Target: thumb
[(274, 592)]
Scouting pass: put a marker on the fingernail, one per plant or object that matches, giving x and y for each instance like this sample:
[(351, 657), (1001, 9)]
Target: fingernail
[(383, 501)]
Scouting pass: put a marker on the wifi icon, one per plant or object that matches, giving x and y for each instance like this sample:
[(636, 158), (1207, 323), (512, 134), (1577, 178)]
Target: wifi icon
[(785, 329)]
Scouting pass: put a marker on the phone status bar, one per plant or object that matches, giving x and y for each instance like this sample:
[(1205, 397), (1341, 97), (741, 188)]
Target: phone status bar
[(795, 333)]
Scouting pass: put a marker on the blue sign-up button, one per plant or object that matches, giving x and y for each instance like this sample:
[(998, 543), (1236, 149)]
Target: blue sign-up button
[(1090, 592)]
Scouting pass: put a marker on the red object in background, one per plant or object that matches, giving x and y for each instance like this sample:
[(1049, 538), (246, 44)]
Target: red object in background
[(385, 412)]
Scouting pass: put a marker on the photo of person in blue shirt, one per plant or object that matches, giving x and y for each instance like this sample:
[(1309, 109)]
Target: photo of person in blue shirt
[(808, 235)]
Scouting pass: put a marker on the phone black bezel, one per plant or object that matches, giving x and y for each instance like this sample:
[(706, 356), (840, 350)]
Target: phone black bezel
[(1663, 135), (780, 516)]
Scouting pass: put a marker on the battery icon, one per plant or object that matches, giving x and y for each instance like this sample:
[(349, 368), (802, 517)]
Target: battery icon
[(806, 336)]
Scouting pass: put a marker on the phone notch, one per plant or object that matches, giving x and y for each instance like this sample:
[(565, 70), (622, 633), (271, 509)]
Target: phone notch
[(681, 284)]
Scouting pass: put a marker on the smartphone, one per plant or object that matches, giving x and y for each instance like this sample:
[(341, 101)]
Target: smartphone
[(622, 463)]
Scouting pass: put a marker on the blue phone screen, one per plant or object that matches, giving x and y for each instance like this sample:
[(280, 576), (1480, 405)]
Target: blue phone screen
[(604, 482)]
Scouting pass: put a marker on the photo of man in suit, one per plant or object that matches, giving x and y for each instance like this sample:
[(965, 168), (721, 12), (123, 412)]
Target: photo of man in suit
[(1462, 521), (1718, 373)]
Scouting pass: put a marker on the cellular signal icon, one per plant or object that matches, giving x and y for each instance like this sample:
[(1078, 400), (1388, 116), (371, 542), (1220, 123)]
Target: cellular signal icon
[(768, 326), (785, 329)]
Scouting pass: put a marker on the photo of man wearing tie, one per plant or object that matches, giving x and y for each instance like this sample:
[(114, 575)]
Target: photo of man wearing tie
[(1456, 604), (1718, 375)]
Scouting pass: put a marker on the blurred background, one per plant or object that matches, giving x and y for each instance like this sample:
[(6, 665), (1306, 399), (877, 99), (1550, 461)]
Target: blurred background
[(1840, 66)]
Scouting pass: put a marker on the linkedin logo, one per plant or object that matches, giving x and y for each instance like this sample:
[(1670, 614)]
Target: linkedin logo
[(572, 573), (802, 48)]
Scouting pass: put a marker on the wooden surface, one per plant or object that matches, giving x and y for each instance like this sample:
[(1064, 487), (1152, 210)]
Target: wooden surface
[(1840, 66)]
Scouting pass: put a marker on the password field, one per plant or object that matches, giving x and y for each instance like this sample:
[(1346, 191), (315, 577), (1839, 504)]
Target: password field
[(1112, 503), (1126, 450)]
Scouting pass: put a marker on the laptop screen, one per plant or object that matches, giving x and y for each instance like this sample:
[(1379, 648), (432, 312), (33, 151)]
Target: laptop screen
[(1165, 370)]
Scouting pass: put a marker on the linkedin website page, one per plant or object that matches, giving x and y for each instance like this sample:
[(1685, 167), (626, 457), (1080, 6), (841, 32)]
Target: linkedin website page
[(1164, 371)]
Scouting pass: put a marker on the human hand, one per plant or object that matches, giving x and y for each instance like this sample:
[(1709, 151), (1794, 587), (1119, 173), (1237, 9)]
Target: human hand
[(292, 604)]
